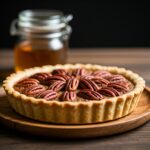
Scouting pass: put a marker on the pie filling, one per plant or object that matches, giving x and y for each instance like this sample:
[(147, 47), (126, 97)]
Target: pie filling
[(74, 85)]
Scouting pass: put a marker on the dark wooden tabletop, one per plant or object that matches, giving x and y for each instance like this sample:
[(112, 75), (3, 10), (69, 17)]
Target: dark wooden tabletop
[(136, 59)]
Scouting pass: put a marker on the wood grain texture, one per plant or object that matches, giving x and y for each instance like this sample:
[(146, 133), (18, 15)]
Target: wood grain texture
[(136, 59), (17, 122)]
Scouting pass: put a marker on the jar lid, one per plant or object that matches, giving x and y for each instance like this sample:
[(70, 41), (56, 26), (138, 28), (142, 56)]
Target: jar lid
[(40, 21), (43, 20)]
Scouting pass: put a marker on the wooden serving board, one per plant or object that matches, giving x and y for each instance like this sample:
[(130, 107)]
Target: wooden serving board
[(17, 122)]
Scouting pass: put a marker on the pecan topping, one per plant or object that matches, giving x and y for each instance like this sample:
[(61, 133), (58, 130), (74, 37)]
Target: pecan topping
[(41, 76), (68, 96), (101, 73), (59, 71), (88, 84), (79, 72), (48, 95), (34, 90), (91, 95), (109, 92), (57, 85), (72, 84), (92, 85)]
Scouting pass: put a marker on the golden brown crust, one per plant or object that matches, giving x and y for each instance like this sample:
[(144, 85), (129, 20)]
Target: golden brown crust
[(74, 112)]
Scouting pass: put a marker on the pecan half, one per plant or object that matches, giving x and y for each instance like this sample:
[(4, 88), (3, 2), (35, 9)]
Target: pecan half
[(88, 84), (79, 72), (34, 90), (110, 92), (54, 78), (59, 71), (68, 96), (87, 76), (100, 81), (25, 83), (48, 95), (90, 95), (57, 85), (101, 73), (121, 87), (19, 89), (66, 76), (41, 76), (117, 78), (72, 84)]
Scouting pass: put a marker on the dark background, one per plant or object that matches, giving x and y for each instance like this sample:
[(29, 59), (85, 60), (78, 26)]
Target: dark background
[(95, 23)]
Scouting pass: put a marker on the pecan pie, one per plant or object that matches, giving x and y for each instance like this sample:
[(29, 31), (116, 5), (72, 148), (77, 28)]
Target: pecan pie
[(74, 94)]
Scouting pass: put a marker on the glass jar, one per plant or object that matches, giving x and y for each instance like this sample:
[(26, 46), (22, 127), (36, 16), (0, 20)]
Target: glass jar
[(43, 38)]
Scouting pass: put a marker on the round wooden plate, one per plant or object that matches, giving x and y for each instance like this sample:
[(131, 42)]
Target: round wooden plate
[(13, 120)]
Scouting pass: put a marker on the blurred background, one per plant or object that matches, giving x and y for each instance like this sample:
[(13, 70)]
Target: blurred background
[(95, 23)]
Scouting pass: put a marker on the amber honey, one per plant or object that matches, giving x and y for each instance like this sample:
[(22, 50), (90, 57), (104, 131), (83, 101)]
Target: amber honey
[(31, 54), (43, 38)]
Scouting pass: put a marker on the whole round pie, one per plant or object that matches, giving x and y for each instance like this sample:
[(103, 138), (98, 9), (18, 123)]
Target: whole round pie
[(74, 94)]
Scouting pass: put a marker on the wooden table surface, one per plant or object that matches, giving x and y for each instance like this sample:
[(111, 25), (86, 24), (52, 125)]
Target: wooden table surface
[(136, 59)]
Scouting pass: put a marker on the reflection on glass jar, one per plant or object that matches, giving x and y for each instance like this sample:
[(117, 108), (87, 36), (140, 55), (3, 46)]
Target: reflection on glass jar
[(43, 38)]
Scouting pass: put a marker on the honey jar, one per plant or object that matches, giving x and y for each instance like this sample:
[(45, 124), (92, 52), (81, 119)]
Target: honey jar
[(43, 38)]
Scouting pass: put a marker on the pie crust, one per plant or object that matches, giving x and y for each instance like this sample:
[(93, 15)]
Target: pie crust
[(74, 112)]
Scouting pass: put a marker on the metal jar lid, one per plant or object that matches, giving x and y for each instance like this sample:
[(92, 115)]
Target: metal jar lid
[(48, 23)]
